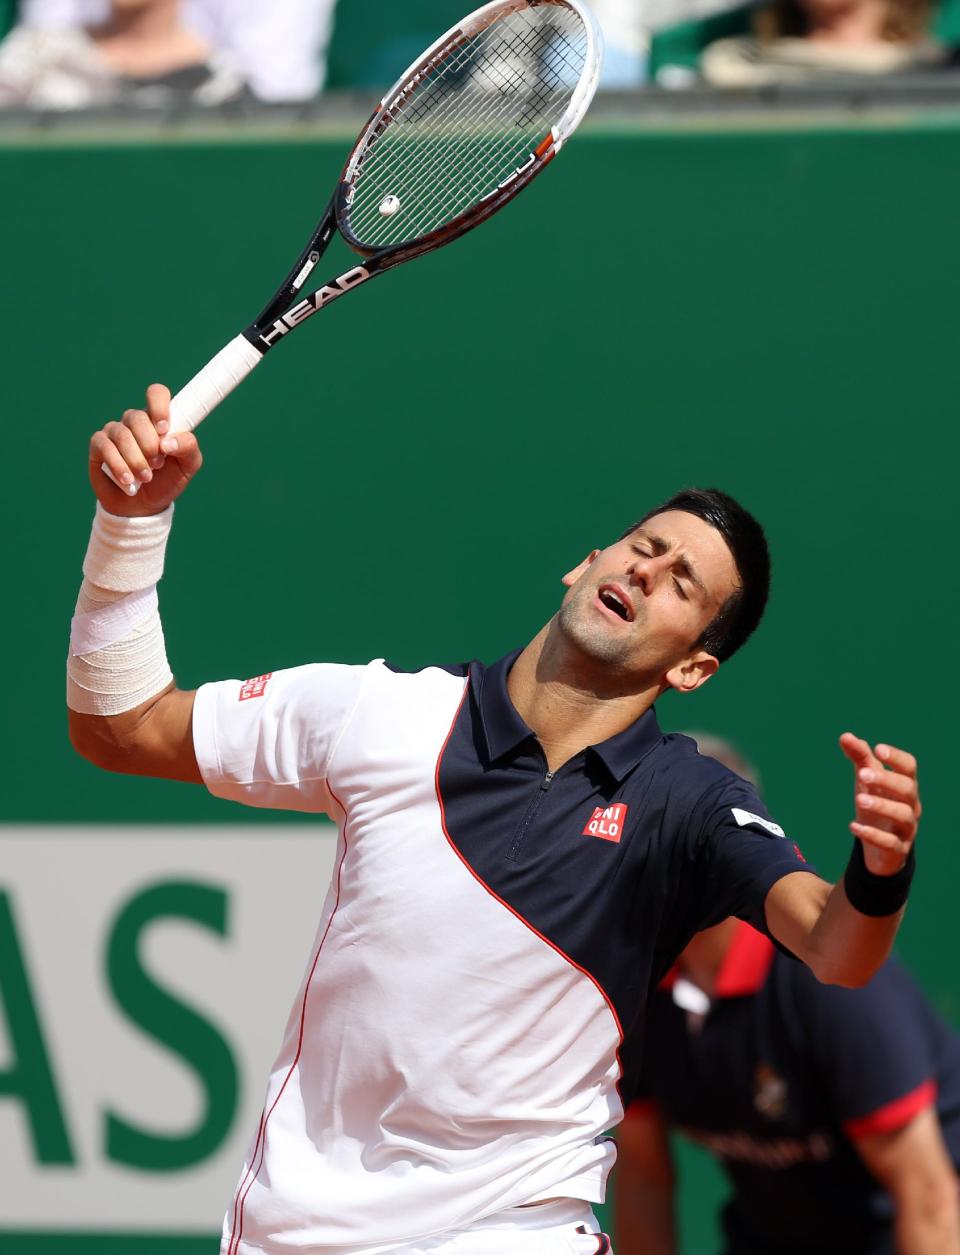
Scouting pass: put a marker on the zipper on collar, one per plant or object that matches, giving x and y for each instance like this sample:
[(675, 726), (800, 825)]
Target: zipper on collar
[(516, 844)]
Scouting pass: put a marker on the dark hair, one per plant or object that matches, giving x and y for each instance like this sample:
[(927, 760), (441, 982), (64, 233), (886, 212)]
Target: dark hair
[(743, 609)]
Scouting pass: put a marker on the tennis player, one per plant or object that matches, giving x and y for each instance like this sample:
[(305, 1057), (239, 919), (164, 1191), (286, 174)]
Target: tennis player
[(834, 1112), (523, 855)]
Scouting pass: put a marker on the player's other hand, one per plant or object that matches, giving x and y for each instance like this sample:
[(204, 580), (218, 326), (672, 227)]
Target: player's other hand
[(140, 450), (887, 802)]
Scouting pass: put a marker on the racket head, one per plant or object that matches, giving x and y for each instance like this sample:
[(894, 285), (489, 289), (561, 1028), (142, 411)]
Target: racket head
[(468, 125)]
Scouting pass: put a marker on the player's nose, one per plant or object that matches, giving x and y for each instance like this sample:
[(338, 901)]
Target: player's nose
[(644, 573)]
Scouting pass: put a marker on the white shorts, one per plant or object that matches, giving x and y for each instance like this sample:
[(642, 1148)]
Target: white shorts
[(566, 1227)]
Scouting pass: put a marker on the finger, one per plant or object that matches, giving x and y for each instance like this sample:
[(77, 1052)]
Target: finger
[(145, 434), (859, 751), (158, 407), (897, 759), (130, 450), (103, 452), (897, 813), (880, 839), (888, 784), (183, 448)]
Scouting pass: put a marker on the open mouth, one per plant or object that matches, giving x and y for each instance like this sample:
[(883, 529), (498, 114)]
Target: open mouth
[(615, 603)]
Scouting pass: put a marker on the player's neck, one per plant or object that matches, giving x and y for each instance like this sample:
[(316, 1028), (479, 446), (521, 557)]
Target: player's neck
[(570, 706)]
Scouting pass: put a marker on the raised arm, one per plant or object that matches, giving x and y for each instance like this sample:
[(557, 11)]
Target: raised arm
[(125, 712), (845, 932)]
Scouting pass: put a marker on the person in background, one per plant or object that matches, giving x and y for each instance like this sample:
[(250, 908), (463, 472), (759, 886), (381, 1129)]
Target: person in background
[(67, 56), (802, 41), (280, 48), (834, 1112), (74, 54)]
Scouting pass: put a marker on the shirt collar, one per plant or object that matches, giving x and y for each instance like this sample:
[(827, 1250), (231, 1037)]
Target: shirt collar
[(621, 753), (504, 729)]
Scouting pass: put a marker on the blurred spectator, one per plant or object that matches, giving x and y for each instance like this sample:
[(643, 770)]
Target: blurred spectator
[(834, 1112), (629, 25), (801, 41), (279, 47), (70, 56), (67, 54)]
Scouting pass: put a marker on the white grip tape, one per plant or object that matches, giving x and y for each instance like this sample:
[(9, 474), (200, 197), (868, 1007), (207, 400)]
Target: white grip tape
[(213, 384), (207, 389)]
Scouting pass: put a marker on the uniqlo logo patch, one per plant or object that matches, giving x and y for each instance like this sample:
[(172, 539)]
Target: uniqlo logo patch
[(607, 822), (254, 687)]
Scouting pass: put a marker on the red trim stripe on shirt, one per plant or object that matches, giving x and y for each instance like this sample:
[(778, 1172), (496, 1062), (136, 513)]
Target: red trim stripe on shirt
[(893, 1115), (526, 923)]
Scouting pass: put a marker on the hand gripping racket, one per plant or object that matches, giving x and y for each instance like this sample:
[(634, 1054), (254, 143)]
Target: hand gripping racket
[(460, 133)]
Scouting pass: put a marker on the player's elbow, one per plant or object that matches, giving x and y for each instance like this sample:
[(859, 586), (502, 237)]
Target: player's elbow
[(153, 739), (847, 980), (91, 739), (853, 976), (107, 742), (849, 970)]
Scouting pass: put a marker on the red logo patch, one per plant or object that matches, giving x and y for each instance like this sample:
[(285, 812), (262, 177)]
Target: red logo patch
[(799, 852), (254, 687), (607, 822)]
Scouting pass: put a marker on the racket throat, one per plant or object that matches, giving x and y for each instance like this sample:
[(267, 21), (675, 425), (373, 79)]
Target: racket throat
[(265, 337)]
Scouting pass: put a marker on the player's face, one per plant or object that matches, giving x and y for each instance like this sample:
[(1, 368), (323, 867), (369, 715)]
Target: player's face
[(640, 605)]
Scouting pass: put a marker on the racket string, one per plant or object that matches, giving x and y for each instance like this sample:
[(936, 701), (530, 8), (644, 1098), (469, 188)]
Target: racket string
[(387, 161), (468, 125), (495, 73), (493, 155), (453, 194)]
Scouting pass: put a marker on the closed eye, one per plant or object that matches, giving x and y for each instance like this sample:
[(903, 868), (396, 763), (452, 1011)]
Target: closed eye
[(680, 590)]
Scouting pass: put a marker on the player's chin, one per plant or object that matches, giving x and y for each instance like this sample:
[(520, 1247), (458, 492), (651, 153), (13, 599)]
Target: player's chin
[(594, 635)]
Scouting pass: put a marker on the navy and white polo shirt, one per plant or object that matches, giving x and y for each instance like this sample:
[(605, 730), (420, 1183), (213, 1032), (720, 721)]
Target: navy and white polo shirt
[(780, 1079), (488, 942)]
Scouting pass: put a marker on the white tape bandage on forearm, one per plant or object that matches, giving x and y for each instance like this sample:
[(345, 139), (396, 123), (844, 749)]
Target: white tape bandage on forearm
[(106, 623), (126, 555), (117, 655)]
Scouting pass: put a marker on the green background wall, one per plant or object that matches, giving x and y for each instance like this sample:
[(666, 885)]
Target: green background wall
[(771, 310)]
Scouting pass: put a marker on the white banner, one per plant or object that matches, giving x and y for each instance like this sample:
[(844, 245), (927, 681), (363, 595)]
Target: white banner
[(146, 975)]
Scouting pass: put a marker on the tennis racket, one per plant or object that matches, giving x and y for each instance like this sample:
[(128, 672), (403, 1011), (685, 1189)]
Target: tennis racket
[(461, 132)]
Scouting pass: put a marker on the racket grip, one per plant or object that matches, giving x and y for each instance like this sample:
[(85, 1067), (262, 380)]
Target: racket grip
[(207, 389)]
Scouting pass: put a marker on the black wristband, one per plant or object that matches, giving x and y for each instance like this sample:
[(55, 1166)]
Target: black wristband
[(876, 895)]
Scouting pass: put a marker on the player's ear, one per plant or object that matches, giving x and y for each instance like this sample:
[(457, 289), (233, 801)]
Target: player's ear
[(691, 672), (571, 577)]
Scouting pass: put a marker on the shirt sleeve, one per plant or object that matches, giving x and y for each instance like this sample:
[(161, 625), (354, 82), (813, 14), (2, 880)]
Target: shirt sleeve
[(746, 852), (269, 741), (873, 1055)]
